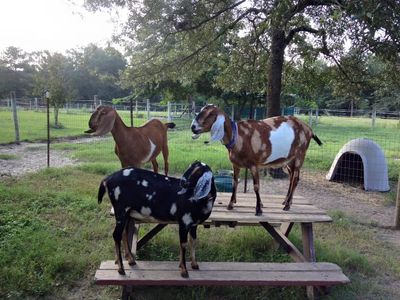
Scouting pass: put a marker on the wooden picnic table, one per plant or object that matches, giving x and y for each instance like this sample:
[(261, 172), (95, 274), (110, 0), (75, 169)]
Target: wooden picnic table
[(277, 222)]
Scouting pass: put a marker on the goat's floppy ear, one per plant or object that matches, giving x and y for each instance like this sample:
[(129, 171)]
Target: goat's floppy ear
[(217, 129), (203, 186), (106, 123)]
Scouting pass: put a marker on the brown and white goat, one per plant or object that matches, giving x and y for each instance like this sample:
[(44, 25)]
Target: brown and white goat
[(270, 143), (134, 146)]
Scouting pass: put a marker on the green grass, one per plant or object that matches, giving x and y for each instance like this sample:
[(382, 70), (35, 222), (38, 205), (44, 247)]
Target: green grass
[(53, 236), (8, 156)]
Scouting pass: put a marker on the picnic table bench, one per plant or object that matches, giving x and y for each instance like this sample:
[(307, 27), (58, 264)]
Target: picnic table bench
[(304, 271)]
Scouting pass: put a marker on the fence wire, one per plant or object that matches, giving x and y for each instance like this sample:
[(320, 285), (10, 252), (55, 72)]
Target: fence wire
[(336, 128)]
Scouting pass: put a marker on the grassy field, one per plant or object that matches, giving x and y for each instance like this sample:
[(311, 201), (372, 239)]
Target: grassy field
[(53, 235)]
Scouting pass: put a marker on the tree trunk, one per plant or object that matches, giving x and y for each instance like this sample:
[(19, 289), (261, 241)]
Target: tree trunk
[(274, 86), (275, 67), (55, 116)]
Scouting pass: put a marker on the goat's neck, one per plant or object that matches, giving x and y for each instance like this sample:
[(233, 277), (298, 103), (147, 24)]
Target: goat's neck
[(119, 130), (228, 130)]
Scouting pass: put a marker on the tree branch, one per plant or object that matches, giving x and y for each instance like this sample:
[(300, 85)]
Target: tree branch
[(216, 15), (292, 32), (303, 4), (198, 50)]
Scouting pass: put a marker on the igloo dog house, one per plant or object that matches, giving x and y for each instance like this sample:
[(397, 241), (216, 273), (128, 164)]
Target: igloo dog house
[(363, 161)]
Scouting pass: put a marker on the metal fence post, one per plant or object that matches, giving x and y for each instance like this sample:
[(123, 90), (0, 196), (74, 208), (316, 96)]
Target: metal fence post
[(48, 127), (15, 116), (169, 111), (148, 109), (373, 118)]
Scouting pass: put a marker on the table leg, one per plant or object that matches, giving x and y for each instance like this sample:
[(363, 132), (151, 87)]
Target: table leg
[(285, 228), (309, 252), (284, 242)]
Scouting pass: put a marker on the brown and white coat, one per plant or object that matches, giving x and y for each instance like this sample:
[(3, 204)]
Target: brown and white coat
[(270, 143)]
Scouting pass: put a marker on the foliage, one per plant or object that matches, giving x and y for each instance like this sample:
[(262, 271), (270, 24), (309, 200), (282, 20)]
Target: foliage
[(180, 39), (16, 72)]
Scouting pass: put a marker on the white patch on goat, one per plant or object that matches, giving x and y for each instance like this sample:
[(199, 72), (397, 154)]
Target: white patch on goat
[(166, 178), (256, 141), (187, 219), (172, 211), (195, 125), (152, 148), (145, 211), (281, 142), (127, 209), (150, 196), (117, 192), (217, 129), (126, 172), (303, 139), (145, 183), (208, 208), (239, 143)]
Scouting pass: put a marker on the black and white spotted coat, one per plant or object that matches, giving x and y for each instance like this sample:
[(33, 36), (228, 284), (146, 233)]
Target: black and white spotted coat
[(148, 196)]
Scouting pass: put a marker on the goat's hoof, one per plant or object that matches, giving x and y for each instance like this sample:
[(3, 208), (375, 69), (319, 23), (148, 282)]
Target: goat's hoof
[(195, 266), (121, 271), (185, 274), (287, 207), (230, 207), (259, 212), (131, 262)]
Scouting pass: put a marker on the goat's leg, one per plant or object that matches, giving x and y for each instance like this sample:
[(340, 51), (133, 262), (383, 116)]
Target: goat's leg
[(294, 180), (192, 246), (290, 171), (236, 172), (165, 154), (256, 185), (117, 235), (183, 233), (155, 165), (128, 253)]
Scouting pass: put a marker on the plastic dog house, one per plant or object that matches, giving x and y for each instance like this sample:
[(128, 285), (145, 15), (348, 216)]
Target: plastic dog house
[(361, 161)]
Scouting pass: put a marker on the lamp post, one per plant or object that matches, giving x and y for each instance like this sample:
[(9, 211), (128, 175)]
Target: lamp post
[(47, 97)]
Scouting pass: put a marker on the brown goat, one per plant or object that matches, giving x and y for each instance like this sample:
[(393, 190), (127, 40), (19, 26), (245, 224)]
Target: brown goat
[(270, 143), (134, 146)]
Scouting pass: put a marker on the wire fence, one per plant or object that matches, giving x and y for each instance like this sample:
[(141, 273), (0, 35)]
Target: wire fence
[(344, 156)]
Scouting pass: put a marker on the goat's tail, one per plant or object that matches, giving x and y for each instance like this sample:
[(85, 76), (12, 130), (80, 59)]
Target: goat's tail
[(102, 191), (317, 140), (170, 125)]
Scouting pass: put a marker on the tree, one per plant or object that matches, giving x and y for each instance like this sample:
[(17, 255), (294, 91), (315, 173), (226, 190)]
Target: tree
[(174, 38), (55, 76), (97, 71), (16, 72)]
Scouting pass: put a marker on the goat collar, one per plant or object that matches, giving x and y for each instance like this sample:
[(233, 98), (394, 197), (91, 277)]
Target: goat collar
[(232, 142)]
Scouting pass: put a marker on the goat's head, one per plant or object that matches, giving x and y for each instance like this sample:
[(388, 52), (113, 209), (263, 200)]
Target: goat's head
[(210, 119), (102, 120), (198, 178)]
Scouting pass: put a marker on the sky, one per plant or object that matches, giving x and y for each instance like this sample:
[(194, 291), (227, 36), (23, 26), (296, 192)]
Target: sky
[(55, 25)]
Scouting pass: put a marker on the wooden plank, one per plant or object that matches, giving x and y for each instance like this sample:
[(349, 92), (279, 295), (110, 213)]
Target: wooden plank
[(268, 217), (211, 273), (305, 209), (224, 198), (232, 266)]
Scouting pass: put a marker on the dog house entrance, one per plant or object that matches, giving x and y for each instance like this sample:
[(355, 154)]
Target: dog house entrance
[(350, 169)]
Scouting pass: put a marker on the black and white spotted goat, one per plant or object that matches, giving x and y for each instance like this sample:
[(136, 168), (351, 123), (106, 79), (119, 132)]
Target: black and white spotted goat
[(145, 195)]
